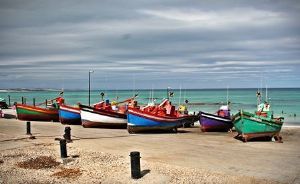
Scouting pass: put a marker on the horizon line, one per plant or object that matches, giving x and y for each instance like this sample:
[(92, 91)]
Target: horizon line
[(55, 89)]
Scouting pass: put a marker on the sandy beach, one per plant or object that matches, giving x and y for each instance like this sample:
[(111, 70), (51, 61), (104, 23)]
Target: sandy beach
[(102, 156)]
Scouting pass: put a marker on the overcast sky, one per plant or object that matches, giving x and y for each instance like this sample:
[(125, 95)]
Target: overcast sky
[(142, 43)]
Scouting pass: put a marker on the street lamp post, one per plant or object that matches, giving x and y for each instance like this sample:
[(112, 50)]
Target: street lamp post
[(90, 71)]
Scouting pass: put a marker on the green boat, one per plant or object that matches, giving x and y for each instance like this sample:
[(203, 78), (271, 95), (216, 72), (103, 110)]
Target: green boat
[(258, 124)]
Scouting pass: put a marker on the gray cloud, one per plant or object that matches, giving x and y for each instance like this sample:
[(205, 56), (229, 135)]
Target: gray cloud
[(197, 43)]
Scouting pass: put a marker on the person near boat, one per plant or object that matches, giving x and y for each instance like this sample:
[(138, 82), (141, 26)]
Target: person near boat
[(1, 113)]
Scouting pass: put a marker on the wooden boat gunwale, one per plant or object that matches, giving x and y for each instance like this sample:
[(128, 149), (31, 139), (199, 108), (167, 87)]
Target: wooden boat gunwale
[(37, 109), (156, 117), (258, 119), (69, 108)]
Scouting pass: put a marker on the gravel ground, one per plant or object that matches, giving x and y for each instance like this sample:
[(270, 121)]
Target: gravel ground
[(97, 167)]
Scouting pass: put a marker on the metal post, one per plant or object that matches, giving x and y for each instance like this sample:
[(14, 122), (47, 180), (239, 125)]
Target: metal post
[(28, 128), (67, 134), (90, 71), (135, 165), (22, 100), (46, 103), (89, 88), (168, 93), (33, 101), (63, 148), (8, 100)]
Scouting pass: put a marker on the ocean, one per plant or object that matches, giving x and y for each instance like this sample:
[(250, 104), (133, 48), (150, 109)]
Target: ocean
[(284, 102)]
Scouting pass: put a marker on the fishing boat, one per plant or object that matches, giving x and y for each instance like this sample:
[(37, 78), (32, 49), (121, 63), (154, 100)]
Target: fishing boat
[(258, 124), (69, 115), (34, 113), (219, 122), (105, 114), (162, 117), (92, 117), (1, 113)]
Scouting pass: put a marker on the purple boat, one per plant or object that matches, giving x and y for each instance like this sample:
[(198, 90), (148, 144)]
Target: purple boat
[(221, 122)]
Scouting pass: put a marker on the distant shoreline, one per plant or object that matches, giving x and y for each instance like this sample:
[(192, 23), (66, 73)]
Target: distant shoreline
[(26, 90), (136, 90)]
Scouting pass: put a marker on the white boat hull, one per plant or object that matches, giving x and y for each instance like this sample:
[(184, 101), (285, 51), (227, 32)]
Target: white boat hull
[(93, 119)]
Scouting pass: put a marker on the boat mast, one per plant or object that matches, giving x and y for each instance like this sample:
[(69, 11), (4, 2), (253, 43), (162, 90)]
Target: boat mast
[(152, 94), (179, 95), (149, 97), (133, 90), (227, 96), (184, 95), (116, 93), (258, 95), (266, 93), (168, 92)]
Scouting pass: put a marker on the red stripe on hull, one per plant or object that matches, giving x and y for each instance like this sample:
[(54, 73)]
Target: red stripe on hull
[(42, 117)]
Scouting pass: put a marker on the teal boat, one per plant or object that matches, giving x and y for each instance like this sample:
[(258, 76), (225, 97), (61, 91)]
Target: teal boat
[(258, 124)]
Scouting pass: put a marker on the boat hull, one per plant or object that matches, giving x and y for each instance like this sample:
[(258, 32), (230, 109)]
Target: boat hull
[(69, 115), (95, 118), (250, 126), (214, 123), (139, 121), (32, 113)]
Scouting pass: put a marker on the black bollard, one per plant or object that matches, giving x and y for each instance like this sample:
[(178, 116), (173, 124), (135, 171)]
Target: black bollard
[(33, 101), (28, 128), (135, 165), (67, 134), (63, 148), (22, 100)]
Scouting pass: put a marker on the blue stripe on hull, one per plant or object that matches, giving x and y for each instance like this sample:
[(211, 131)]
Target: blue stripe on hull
[(68, 115), (134, 120)]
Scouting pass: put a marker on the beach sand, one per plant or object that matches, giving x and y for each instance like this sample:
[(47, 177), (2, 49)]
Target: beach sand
[(102, 156)]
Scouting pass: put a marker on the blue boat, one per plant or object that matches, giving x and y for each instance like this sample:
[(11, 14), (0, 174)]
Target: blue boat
[(69, 115), (156, 118)]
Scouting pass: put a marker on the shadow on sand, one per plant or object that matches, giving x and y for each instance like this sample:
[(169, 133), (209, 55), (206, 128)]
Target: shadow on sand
[(257, 139), (160, 132), (9, 116), (144, 172), (105, 137)]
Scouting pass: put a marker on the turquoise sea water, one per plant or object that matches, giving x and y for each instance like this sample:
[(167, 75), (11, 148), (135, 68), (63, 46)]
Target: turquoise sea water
[(284, 102)]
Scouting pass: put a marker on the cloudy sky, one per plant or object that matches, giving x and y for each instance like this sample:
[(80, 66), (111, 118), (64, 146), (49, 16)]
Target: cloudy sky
[(142, 43)]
